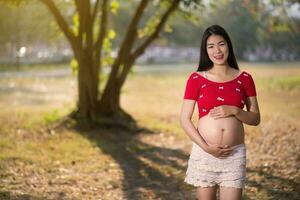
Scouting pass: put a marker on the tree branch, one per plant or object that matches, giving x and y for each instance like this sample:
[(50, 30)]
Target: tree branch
[(132, 30), (94, 12), (102, 27), (147, 42), (140, 50), (60, 20), (128, 40), (102, 33)]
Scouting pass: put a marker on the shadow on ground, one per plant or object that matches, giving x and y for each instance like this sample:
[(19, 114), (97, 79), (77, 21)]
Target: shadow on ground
[(145, 167), (272, 186)]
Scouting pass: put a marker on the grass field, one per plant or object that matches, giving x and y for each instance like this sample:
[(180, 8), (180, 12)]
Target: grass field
[(38, 161)]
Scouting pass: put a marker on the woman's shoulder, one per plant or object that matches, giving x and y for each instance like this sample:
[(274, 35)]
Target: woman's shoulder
[(245, 72), (195, 75), (246, 77), (195, 78)]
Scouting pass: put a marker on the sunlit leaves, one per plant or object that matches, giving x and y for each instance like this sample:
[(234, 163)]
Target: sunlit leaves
[(111, 34), (75, 26), (150, 27), (107, 60), (114, 6), (276, 25), (14, 2), (74, 66), (107, 48), (107, 44)]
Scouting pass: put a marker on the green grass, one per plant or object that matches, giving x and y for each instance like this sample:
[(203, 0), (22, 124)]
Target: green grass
[(291, 83), (27, 67), (51, 117)]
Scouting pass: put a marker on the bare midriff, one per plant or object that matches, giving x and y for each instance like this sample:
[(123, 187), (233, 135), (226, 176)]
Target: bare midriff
[(223, 131)]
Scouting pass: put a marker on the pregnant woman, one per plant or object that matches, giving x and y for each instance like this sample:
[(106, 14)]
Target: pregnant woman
[(218, 155)]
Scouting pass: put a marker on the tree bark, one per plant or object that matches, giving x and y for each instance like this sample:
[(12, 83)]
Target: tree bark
[(87, 86)]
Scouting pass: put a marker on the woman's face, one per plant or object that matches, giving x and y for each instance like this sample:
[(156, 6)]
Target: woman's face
[(217, 49)]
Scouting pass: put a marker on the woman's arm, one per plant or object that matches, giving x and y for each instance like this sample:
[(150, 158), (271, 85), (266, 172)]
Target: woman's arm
[(186, 123), (252, 115)]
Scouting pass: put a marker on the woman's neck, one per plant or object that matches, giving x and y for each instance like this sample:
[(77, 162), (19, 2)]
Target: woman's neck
[(220, 70)]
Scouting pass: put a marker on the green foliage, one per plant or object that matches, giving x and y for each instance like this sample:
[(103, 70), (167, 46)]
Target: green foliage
[(108, 59), (75, 25), (242, 25), (51, 117), (149, 27), (14, 2), (250, 23), (286, 83), (74, 66), (114, 6)]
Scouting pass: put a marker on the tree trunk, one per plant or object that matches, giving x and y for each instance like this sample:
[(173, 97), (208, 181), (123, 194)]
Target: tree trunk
[(109, 104), (87, 86), (110, 100), (109, 111)]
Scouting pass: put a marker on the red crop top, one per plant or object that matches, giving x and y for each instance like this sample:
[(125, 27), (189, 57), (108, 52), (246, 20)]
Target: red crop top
[(210, 94)]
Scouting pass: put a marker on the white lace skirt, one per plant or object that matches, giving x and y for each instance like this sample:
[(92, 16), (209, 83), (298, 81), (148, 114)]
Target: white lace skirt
[(205, 170)]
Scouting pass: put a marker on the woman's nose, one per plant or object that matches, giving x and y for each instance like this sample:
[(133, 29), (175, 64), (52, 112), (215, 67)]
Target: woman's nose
[(217, 50)]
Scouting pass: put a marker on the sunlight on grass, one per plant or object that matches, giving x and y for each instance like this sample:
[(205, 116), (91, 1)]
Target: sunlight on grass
[(52, 117), (291, 83)]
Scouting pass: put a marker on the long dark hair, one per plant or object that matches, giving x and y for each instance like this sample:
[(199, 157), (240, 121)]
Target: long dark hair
[(204, 62)]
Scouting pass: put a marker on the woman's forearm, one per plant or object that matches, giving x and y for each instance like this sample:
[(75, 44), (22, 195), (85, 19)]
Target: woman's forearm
[(247, 117), (192, 132)]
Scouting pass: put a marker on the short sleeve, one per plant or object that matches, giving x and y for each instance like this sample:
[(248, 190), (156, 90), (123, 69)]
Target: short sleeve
[(250, 89), (191, 88)]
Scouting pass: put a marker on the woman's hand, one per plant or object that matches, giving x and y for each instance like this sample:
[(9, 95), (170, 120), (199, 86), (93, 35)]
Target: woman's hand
[(219, 151), (223, 111)]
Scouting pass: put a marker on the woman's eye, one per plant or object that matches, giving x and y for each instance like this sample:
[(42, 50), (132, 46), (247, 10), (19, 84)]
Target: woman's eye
[(210, 47), (221, 44)]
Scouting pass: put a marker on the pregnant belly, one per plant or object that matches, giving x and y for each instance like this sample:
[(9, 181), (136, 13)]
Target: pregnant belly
[(222, 131)]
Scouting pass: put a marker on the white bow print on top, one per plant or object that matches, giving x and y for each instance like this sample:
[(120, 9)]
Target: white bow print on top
[(195, 77), (221, 87), (220, 99), (202, 86), (239, 82), (237, 89)]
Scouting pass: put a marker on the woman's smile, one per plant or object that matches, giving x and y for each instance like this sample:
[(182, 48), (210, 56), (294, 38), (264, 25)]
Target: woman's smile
[(219, 57)]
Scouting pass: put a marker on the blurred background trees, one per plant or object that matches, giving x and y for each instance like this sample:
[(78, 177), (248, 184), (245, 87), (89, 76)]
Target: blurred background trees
[(260, 30)]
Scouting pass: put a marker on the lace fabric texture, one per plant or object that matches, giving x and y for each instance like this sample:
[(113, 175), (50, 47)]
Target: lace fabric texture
[(206, 170)]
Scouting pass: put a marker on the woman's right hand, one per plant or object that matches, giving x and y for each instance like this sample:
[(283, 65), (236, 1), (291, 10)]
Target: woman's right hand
[(219, 151)]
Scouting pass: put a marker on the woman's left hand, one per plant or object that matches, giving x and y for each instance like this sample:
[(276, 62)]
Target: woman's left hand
[(223, 111)]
